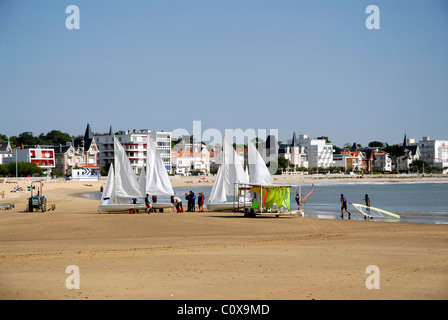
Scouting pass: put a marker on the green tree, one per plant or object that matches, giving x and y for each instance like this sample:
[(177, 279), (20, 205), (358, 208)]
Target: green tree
[(24, 169), (395, 152), (419, 166), (324, 138), (55, 137), (376, 144), (27, 138)]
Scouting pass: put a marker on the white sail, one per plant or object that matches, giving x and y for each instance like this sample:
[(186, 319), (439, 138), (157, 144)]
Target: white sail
[(230, 172), (157, 181), (108, 195), (218, 193), (142, 181), (126, 185), (259, 173)]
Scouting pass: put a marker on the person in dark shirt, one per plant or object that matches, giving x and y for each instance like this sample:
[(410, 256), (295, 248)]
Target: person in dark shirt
[(187, 198), (367, 200), (192, 201), (344, 206)]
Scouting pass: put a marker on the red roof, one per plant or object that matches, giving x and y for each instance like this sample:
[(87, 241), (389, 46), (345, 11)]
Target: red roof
[(89, 166)]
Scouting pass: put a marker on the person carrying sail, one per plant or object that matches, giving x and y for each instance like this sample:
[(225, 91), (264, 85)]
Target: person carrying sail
[(367, 200)]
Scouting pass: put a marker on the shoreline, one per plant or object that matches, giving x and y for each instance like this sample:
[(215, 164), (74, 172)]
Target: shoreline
[(188, 256)]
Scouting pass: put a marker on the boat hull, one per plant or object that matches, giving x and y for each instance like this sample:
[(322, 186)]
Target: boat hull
[(162, 205), (121, 207), (226, 206)]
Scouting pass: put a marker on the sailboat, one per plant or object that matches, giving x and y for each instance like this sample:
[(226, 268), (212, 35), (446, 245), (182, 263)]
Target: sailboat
[(156, 181), (268, 198), (121, 184), (258, 172), (229, 173)]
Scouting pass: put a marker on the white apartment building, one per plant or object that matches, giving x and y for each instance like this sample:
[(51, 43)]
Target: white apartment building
[(307, 153), (319, 152), (134, 142), (434, 152)]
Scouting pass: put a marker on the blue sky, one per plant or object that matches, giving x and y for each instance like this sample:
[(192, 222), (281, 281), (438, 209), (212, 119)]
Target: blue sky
[(306, 66)]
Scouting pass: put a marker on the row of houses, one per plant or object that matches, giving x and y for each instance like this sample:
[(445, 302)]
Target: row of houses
[(304, 152), (432, 152), (83, 158), (77, 159)]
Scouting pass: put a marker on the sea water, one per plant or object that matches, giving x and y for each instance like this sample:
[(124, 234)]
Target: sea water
[(422, 202)]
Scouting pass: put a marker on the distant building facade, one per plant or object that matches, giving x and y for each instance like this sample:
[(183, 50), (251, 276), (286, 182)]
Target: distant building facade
[(5, 152), (76, 154), (308, 153), (434, 152), (42, 157), (294, 153), (135, 144)]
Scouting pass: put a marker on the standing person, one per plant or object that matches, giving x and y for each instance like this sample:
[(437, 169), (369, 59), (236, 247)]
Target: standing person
[(201, 202), (298, 200), (148, 204), (367, 200), (187, 198), (344, 206), (192, 201)]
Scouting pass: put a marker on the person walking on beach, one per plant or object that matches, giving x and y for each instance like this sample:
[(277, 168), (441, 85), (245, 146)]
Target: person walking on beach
[(344, 207), (201, 202), (148, 203), (367, 200)]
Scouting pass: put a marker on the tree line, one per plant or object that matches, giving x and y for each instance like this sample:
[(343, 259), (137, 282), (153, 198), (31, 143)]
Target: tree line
[(23, 169), (27, 138)]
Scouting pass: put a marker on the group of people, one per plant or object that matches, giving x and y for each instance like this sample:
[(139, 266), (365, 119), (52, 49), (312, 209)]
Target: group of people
[(148, 203), (191, 200), (344, 205)]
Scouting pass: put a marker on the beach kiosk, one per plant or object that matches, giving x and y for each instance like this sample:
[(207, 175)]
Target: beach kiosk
[(265, 200)]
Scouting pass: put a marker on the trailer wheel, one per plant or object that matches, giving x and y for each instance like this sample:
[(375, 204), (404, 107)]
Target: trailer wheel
[(131, 211), (161, 210)]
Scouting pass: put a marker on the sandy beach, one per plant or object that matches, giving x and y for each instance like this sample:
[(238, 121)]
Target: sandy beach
[(211, 255)]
